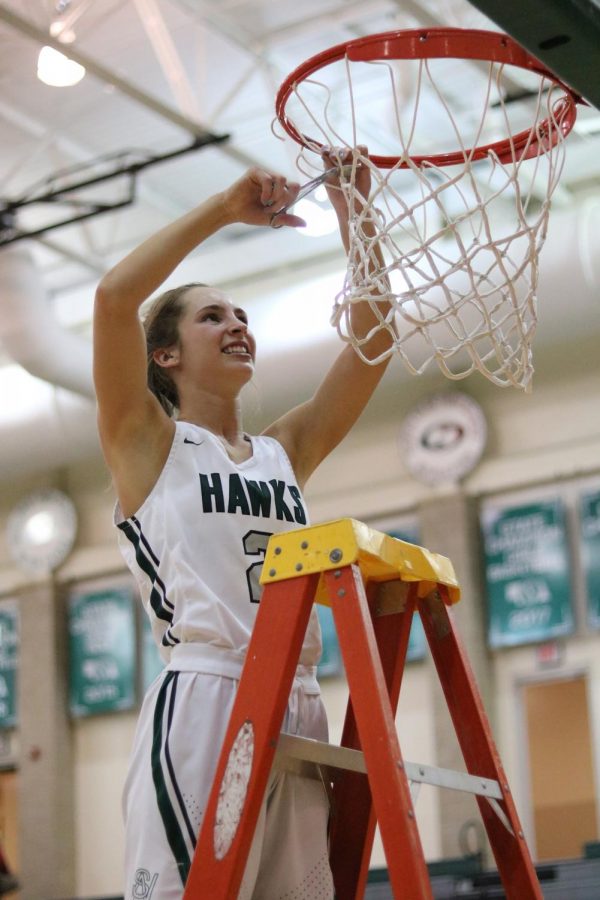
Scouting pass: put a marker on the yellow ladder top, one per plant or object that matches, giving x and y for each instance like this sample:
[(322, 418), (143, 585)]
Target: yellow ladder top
[(321, 548)]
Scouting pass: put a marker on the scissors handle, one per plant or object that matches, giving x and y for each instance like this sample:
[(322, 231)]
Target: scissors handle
[(309, 187)]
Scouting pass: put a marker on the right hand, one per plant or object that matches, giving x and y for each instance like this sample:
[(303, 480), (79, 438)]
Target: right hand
[(343, 156), (257, 196)]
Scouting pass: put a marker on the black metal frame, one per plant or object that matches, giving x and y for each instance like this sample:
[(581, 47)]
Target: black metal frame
[(54, 194), (563, 34)]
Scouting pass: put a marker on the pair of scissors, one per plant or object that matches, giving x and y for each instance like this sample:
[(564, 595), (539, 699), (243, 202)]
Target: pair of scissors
[(309, 187)]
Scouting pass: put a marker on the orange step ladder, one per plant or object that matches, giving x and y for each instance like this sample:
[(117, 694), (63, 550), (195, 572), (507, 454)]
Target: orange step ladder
[(374, 583)]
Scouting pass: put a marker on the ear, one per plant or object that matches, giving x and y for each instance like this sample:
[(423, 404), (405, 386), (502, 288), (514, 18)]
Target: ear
[(166, 357)]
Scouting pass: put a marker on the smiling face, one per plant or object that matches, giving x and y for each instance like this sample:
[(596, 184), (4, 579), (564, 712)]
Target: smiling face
[(215, 348)]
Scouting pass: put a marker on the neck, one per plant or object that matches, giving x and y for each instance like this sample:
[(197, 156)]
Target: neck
[(221, 415)]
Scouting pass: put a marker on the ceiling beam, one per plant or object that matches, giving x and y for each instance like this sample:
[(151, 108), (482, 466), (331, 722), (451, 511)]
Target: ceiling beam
[(257, 51), (191, 126), (154, 24)]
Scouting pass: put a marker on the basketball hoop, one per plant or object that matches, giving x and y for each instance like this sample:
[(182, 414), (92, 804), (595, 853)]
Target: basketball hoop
[(458, 232)]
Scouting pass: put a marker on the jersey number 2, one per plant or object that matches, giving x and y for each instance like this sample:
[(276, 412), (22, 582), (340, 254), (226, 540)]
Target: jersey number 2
[(255, 544)]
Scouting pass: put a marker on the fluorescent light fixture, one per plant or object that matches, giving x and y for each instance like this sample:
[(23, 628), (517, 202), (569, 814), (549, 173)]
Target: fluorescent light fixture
[(318, 220), (58, 70), (293, 316), (63, 34)]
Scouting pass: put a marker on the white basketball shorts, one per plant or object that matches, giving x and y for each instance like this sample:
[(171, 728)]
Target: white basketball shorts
[(176, 749)]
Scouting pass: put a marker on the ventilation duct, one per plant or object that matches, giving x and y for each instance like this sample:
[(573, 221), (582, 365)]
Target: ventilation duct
[(48, 413), (29, 332)]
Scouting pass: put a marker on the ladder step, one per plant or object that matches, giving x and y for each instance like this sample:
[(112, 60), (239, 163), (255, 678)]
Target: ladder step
[(306, 757)]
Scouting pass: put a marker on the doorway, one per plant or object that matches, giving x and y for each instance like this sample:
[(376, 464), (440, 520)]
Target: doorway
[(9, 823), (561, 767)]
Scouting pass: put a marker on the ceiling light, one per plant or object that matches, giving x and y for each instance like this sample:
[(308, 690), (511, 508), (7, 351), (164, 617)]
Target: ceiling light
[(58, 70), (308, 304), (60, 31), (318, 220), (40, 528)]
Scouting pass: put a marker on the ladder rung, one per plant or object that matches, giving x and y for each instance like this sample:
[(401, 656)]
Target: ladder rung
[(292, 747), (304, 756)]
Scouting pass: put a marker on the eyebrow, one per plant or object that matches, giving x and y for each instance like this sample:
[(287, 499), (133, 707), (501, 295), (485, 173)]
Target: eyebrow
[(221, 306)]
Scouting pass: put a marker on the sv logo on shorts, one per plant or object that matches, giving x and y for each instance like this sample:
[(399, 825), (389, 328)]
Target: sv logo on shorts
[(143, 884)]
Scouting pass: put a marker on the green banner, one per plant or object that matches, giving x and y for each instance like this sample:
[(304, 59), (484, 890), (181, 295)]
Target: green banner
[(152, 664), (9, 657), (527, 573), (102, 651), (417, 642), (331, 657), (589, 512)]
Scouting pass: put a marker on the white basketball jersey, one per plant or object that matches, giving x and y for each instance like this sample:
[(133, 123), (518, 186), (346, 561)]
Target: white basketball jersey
[(196, 545)]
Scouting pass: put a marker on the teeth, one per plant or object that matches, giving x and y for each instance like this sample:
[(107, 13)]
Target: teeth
[(236, 348)]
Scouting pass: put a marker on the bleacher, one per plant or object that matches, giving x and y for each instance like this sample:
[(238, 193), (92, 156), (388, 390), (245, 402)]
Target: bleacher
[(465, 878)]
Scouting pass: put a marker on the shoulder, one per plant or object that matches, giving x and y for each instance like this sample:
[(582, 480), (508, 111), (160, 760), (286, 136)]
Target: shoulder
[(289, 433)]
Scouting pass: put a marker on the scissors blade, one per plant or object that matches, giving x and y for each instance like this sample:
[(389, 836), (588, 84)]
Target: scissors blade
[(310, 186)]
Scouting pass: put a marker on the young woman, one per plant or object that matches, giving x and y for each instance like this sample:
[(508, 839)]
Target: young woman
[(197, 500)]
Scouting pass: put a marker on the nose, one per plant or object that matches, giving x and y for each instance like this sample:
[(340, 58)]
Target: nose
[(238, 326)]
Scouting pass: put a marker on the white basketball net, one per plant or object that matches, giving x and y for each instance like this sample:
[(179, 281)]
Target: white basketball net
[(460, 244)]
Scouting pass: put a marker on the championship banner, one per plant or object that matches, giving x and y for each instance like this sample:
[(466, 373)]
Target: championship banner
[(331, 659), (9, 658), (102, 651), (152, 664), (527, 573), (589, 518), (330, 663), (417, 642)]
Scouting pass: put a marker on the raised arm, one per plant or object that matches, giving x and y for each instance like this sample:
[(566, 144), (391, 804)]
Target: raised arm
[(309, 432), (135, 431)]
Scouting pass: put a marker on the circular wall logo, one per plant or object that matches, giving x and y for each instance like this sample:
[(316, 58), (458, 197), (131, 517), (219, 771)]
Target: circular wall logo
[(443, 438)]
